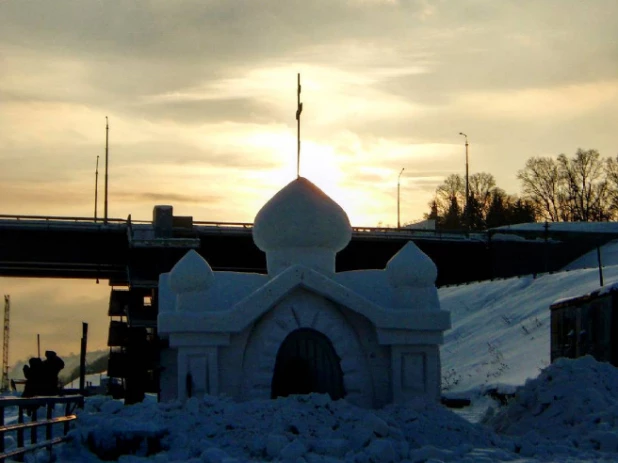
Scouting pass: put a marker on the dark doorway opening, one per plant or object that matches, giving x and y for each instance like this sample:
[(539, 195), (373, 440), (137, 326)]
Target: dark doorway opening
[(307, 362)]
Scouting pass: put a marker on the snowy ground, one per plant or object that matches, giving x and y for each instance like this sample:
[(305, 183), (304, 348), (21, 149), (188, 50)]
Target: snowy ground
[(500, 338), (552, 418)]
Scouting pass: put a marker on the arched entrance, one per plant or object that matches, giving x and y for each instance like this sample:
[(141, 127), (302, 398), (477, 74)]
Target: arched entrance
[(307, 362)]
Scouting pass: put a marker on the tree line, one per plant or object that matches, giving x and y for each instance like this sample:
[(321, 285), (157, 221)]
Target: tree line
[(583, 187)]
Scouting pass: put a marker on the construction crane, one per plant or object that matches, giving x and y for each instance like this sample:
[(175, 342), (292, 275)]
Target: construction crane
[(4, 386)]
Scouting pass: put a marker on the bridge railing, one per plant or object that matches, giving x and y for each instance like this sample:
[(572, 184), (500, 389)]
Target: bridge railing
[(31, 405), (247, 226), (43, 218)]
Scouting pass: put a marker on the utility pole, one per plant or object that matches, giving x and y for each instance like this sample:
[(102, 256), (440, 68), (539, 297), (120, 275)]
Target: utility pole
[(299, 109), (82, 358), (106, 164), (600, 265), (467, 214), (96, 189), (399, 196), (4, 386)]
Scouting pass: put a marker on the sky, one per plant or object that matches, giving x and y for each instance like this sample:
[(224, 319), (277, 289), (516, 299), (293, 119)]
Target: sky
[(201, 101)]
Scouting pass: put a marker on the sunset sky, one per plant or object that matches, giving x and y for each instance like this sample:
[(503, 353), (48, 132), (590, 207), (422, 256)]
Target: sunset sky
[(201, 98)]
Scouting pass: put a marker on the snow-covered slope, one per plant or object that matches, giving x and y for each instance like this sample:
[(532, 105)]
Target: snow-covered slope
[(609, 256), (501, 329)]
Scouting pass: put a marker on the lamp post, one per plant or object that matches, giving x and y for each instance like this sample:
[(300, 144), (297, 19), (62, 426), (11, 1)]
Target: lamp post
[(96, 189), (467, 182), (106, 166), (399, 196)]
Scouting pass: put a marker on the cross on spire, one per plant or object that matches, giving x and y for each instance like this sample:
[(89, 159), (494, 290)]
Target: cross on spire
[(299, 109)]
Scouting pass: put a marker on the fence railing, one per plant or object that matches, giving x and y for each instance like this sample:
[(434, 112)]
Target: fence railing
[(30, 407)]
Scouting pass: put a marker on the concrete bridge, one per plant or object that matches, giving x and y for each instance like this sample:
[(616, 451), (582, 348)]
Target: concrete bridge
[(126, 252)]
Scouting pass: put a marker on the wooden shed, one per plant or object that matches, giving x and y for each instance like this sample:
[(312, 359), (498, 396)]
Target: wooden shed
[(586, 325)]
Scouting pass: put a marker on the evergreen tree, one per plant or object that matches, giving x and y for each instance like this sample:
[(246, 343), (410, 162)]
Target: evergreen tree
[(452, 218), (473, 216), (488, 205), (498, 212), (521, 211), (433, 214)]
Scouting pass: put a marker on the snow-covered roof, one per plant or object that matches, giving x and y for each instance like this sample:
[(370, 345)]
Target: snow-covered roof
[(237, 317), (226, 289), (563, 301)]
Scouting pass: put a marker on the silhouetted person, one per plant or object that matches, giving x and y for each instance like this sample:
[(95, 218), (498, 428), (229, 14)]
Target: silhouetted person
[(33, 372), (51, 368)]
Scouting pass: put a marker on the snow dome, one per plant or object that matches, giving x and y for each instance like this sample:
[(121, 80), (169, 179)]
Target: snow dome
[(371, 337), (412, 274), (301, 224), (191, 274)]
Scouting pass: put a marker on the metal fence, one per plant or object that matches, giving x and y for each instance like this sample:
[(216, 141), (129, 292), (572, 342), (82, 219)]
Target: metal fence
[(29, 441)]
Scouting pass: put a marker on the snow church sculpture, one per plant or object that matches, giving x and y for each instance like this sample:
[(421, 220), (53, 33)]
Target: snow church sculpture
[(371, 336)]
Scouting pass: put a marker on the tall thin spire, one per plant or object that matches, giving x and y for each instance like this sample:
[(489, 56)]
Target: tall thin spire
[(299, 109), (106, 164)]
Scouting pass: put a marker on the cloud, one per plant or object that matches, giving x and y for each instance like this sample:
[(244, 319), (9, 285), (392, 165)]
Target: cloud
[(207, 89), (200, 111), (167, 198)]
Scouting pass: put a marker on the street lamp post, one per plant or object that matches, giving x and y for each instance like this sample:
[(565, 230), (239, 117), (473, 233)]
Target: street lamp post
[(399, 197), (467, 182)]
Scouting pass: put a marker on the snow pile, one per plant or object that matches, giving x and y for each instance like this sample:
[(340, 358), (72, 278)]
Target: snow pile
[(573, 401), (312, 427), (568, 413)]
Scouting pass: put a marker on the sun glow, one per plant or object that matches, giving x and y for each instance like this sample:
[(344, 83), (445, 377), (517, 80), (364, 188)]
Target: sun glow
[(319, 163)]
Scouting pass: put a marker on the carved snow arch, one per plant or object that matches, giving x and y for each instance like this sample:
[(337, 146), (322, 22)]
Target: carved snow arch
[(307, 362), (302, 309)]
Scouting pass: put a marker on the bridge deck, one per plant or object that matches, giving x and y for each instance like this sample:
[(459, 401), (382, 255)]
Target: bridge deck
[(79, 247)]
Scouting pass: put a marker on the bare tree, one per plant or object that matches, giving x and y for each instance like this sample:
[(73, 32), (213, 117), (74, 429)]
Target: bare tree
[(569, 189), (449, 205), (541, 184), (481, 186), (452, 190), (612, 185), (586, 186)]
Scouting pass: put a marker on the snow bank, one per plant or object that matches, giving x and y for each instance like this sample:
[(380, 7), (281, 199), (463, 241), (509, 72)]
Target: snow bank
[(573, 401), (312, 427), (568, 413)]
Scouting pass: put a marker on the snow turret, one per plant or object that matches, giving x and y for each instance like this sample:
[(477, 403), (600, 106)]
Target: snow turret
[(301, 225), (412, 274), (191, 274)]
